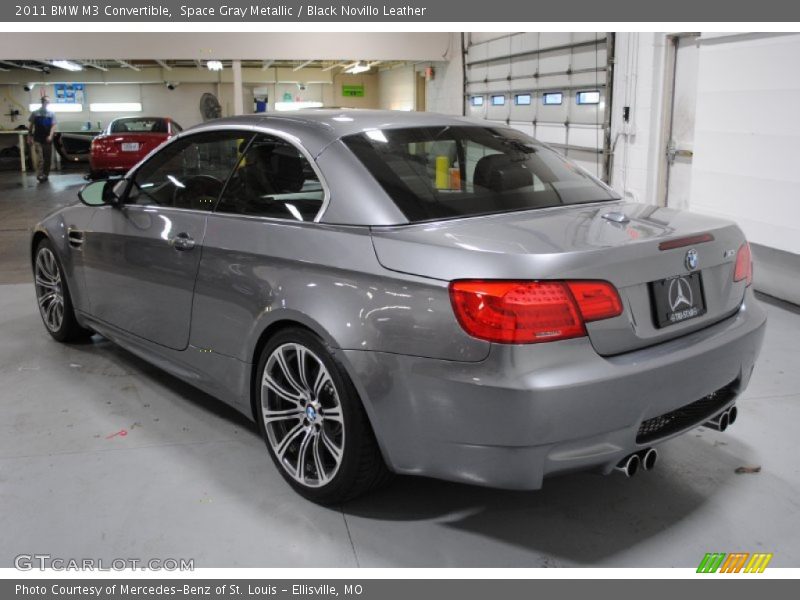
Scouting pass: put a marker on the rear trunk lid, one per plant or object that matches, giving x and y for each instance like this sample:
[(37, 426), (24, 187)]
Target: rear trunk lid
[(586, 242)]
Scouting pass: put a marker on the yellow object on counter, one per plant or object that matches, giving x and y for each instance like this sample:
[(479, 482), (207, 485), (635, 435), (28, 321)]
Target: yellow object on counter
[(442, 173)]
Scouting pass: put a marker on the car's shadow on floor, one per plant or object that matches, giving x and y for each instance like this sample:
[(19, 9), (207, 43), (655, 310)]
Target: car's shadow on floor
[(578, 518)]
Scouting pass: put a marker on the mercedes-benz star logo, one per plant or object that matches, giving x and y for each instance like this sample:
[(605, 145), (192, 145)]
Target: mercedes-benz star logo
[(680, 293), (692, 260)]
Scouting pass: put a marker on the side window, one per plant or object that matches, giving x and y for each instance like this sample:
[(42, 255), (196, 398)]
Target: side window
[(189, 173), (273, 179)]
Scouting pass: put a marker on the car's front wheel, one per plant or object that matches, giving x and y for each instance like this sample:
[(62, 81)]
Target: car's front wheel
[(52, 295), (313, 422)]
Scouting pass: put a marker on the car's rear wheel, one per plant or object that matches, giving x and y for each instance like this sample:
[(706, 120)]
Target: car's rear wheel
[(313, 422), (53, 298)]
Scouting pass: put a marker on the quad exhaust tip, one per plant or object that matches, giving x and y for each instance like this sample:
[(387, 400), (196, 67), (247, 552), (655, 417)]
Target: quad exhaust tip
[(649, 459), (723, 420), (631, 464)]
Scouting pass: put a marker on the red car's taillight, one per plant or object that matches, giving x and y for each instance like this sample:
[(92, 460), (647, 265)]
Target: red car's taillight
[(527, 312), (744, 265)]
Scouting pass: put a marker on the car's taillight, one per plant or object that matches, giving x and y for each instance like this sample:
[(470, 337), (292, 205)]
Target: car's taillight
[(744, 264), (526, 312)]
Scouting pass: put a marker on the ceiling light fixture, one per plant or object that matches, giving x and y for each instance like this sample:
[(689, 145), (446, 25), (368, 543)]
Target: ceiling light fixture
[(214, 65), (357, 68), (67, 65)]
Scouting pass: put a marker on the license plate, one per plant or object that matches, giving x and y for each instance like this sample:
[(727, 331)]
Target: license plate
[(130, 147), (677, 299)]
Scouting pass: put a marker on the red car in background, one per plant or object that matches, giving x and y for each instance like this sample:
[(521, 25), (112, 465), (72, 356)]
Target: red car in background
[(126, 141)]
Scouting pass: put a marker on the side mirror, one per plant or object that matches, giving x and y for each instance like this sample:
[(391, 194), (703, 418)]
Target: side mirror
[(100, 193)]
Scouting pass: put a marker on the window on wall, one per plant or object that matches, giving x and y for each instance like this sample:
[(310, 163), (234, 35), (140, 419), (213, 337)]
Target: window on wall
[(552, 98), (476, 101), (189, 173), (498, 100), (522, 99), (589, 97), (274, 179)]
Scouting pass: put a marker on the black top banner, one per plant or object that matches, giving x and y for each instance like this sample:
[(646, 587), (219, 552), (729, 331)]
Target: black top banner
[(440, 11)]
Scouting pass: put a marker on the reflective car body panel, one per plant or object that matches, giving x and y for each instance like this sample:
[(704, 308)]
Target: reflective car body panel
[(375, 289)]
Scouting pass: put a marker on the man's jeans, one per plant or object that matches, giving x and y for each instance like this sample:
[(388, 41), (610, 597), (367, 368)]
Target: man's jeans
[(42, 155)]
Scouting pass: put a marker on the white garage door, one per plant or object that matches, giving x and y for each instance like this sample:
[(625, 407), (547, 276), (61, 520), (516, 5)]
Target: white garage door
[(549, 85)]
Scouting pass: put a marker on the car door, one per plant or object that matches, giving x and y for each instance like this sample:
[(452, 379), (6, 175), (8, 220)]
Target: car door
[(141, 258)]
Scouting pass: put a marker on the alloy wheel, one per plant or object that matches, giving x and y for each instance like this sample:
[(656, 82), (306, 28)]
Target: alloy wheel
[(49, 289), (302, 415)]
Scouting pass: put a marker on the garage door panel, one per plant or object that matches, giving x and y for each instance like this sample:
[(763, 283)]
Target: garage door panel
[(554, 82), (553, 113), (524, 127), (589, 57), (554, 62), (498, 70), (523, 67), (498, 48), (497, 113), (587, 160), (587, 36), (592, 80), (524, 84), (523, 112), (476, 112), (525, 42), (477, 88), (548, 39), (551, 134), (586, 115), (586, 137)]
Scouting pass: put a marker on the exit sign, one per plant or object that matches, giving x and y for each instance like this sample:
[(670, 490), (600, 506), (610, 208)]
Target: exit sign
[(353, 91)]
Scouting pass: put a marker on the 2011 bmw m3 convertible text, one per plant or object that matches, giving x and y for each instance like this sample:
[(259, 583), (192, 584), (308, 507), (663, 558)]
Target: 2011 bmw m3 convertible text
[(389, 292)]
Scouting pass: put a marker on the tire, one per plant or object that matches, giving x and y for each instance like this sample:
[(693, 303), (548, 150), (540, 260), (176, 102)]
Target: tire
[(316, 416), (53, 298)]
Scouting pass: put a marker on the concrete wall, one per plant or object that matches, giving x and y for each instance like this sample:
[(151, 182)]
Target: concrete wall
[(396, 88), (371, 98), (445, 92)]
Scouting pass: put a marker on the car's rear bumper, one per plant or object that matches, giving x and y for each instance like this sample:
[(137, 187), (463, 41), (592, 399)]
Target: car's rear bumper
[(115, 164), (529, 411)]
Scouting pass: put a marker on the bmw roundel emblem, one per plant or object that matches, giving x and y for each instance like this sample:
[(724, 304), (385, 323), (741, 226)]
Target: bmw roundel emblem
[(692, 260)]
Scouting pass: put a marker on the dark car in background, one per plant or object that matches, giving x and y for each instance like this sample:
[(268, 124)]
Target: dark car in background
[(126, 141)]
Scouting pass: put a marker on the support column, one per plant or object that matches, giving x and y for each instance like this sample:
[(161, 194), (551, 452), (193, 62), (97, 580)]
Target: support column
[(238, 100)]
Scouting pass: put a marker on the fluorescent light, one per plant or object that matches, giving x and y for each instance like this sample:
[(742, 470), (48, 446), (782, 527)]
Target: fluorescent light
[(58, 107), (115, 107), (357, 68), (284, 106), (214, 65), (67, 64)]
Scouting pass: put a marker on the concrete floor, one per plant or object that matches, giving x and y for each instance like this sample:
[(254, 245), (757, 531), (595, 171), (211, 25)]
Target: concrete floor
[(192, 478)]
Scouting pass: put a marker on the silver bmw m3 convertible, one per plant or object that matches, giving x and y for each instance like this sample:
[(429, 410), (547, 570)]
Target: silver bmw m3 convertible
[(388, 292)]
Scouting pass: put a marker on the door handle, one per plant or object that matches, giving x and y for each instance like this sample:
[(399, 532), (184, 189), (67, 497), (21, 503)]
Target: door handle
[(673, 152), (74, 237), (182, 242)]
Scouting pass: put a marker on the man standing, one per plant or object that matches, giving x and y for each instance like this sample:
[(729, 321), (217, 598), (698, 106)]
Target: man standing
[(42, 127)]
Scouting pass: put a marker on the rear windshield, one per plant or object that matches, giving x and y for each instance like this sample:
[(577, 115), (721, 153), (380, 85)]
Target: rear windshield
[(447, 172), (139, 125)]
